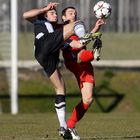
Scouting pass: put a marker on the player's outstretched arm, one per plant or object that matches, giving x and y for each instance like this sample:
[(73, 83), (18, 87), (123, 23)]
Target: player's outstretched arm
[(31, 15), (98, 25)]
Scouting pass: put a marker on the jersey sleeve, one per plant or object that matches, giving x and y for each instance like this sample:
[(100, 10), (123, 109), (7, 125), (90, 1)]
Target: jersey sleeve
[(39, 29)]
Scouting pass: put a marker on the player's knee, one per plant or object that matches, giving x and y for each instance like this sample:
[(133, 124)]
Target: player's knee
[(88, 100), (86, 56)]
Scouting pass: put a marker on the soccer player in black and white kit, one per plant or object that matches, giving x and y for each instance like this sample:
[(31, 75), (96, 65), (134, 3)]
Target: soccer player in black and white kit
[(49, 39)]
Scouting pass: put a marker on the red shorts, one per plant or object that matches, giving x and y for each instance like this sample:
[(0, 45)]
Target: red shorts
[(82, 72)]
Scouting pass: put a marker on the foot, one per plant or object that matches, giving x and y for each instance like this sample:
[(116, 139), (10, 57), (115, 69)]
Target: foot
[(97, 44), (88, 37), (97, 54), (65, 133), (61, 131), (96, 35), (74, 134), (97, 49)]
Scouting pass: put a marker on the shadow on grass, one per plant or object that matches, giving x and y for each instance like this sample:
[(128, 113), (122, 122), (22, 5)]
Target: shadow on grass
[(104, 92), (106, 98)]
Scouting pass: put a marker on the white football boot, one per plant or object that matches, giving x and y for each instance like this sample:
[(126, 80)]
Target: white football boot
[(65, 133), (97, 49), (74, 134)]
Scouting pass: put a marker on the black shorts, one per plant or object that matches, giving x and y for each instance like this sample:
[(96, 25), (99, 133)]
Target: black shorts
[(47, 50)]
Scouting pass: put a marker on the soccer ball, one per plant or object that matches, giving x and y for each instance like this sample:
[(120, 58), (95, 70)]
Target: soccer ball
[(102, 9)]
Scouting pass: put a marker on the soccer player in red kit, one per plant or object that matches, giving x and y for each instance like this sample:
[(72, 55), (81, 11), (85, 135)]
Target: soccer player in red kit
[(77, 60)]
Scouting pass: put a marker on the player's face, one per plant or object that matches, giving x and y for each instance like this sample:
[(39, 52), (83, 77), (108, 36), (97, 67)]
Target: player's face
[(51, 16), (70, 15)]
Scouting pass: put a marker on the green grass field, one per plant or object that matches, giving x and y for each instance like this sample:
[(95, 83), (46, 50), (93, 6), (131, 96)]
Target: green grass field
[(94, 126), (36, 119)]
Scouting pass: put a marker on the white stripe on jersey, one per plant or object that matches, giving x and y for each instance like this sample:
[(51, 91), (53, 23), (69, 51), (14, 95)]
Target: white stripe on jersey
[(49, 27), (39, 35)]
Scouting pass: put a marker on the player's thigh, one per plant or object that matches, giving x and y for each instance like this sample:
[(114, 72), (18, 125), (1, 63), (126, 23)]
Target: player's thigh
[(87, 91)]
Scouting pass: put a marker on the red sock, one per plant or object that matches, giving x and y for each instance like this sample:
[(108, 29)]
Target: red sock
[(77, 114), (86, 56)]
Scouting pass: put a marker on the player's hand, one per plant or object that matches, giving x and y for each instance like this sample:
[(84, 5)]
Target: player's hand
[(100, 22), (51, 5), (98, 25)]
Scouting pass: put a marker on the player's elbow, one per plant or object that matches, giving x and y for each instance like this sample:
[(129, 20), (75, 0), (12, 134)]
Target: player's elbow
[(25, 16)]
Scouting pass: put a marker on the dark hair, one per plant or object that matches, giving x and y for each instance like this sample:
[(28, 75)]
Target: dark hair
[(64, 10), (41, 16)]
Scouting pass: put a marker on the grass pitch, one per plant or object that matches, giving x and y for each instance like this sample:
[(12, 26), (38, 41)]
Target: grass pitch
[(94, 126)]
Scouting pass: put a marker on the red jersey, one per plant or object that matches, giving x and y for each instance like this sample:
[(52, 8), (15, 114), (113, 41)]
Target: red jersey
[(82, 72)]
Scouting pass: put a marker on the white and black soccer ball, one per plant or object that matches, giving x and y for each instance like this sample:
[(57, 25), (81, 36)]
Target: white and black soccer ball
[(102, 9)]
